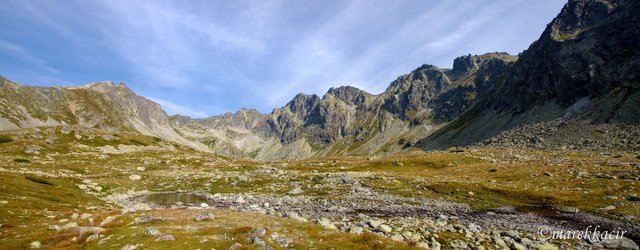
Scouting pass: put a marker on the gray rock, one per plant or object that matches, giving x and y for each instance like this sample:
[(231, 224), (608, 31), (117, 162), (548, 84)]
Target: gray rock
[(259, 231), (384, 228), (568, 210), (326, 223), (152, 231), (608, 208), (374, 223), (435, 245), (166, 237), (35, 245), (131, 247), (32, 149), (204, 216), (146, 219), (281, 240), (623, 243), (235, 246), (355, 230), (296, 190)]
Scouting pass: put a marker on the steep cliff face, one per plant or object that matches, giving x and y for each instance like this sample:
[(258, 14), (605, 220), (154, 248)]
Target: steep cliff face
[(591, 48), (582, 70)]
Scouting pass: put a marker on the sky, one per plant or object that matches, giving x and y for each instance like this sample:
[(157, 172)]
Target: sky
[(202, 58)]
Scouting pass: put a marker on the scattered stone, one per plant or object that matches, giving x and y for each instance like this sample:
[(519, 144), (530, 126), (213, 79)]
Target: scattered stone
[(166, 237), (384, 228), (204, 205), (259, 231), (474, 228), (608, 208), (32, 149), (131, 247), (568, 210), (93, 237), (296, 190), (70, 225), (545, 246), (146, 219), (235, 246), (204, 216), (326, 223), (3, 202), (281, 240), (152, 231), (435, 245), (374, 223), (622, 243), (355, 230), (423, 245), (240, 200), (134, 177), (89, 230), (141, 169), (36, 245)]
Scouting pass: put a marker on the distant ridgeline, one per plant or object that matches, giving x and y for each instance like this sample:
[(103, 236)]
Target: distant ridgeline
[(578, 79)]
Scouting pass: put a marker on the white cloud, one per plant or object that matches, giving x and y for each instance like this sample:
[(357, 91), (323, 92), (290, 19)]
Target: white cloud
[(22, 54), (174, 108)]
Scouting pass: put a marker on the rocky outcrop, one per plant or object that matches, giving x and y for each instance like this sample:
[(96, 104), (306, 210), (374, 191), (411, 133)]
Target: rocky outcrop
[(103, 105), (590, 50)]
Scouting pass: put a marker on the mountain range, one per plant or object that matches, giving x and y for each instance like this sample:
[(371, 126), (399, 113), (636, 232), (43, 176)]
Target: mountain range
[(575, 87)]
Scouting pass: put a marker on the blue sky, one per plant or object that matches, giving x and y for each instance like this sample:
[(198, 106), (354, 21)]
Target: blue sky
[(208, 57)]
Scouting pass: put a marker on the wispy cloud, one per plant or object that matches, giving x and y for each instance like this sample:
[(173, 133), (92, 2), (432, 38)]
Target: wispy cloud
[(22, 54), (208, 57), (174, 108)]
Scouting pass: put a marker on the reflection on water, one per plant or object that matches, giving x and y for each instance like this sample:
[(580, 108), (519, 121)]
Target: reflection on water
[(176, 198)]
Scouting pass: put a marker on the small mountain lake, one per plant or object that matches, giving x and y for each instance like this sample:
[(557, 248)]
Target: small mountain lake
[(178, 198)]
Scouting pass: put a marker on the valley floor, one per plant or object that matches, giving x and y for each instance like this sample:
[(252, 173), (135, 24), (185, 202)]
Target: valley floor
[(82, 188)]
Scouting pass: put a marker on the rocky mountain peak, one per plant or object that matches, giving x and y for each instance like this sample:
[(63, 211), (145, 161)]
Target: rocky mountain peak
[(464, 66), (349, 95), (303, 103), (424, 75), (578, 16)]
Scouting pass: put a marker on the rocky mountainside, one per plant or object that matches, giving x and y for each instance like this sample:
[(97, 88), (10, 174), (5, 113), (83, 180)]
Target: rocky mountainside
[(580, 77), (347, 120), (581, 72), (103, 105)]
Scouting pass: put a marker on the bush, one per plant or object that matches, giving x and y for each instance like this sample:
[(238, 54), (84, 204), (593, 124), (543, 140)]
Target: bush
[(21, 160), (38, 180)]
